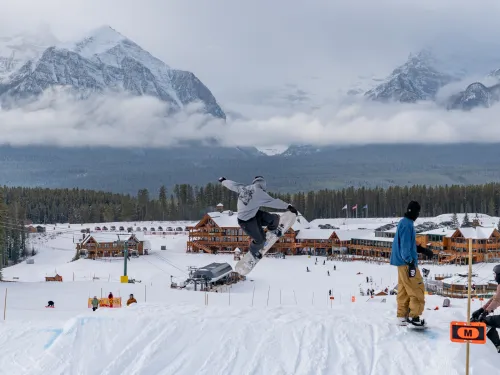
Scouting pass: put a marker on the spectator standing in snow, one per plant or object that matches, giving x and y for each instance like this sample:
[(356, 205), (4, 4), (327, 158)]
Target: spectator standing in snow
[(328, 272), (95, 303), (131, 300), (367, 279), (110, 298), (411, 289), (324, 262), (335, 268), (307, 269)]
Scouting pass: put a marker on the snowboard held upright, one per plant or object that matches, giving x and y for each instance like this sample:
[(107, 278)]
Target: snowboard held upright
[(248, 262)]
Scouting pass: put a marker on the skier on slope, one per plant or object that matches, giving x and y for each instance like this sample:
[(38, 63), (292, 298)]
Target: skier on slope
[(411, 288), (250, 218), (492, 322)]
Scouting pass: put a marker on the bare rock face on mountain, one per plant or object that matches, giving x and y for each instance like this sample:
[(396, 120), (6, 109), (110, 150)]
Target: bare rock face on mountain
[(104, 61), (475, 95)]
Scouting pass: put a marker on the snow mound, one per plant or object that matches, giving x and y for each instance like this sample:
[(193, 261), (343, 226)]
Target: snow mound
[(155, 339)]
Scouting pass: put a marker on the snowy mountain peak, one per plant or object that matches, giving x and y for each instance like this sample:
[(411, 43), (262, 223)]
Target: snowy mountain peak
[(98, 41)]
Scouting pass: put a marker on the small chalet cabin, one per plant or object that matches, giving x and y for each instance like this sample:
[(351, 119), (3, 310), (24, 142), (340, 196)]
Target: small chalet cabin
[(97, 245), (457, 287), (57, 277), (219, 232)]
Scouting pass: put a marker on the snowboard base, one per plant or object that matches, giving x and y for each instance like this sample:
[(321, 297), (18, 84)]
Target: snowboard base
[(248, 262)]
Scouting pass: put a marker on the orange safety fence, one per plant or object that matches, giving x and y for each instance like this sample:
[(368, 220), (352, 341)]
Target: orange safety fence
[(105, 302)]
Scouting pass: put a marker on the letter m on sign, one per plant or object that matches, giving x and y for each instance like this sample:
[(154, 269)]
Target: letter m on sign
[(463, 332)]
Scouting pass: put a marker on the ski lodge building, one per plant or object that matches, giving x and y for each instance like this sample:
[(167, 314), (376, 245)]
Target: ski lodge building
[(97, 245), (219, 232)]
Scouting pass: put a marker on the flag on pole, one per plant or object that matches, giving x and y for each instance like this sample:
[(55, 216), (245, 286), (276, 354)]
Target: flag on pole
[(366, 206), (355, 207), (345, 207)]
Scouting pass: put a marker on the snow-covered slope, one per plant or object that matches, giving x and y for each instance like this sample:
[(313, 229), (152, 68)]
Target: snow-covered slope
[(18, 49), (105, 61), (281, 320)]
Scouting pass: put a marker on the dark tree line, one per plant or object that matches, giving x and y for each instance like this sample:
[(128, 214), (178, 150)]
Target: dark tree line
[(191, 202), (18, 204)]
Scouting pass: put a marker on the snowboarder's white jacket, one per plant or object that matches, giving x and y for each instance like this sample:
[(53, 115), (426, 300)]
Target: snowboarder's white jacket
[(252, 197)]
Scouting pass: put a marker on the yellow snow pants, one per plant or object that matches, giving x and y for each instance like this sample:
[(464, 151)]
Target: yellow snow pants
[(411, 293)]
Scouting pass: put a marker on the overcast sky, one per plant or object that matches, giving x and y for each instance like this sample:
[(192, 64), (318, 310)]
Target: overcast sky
[(255, 51), (264, 58)]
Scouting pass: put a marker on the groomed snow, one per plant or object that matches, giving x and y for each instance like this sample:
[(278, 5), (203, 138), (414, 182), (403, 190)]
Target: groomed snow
[(279, 321)]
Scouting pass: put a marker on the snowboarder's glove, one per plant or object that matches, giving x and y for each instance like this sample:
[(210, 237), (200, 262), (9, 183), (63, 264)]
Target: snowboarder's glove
[(476, 314), (483, 316), (222, 179), (423, 250), (292, 209), (412, 270)]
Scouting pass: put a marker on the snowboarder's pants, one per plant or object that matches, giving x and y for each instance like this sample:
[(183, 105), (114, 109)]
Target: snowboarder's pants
[(94, 308), (493, 322), (411, 293), (253, 228)]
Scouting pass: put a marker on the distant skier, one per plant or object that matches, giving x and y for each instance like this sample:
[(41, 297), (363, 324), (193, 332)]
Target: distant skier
[(307, 269), (95, 303), (131, 300), (250, 218), (328, 272), (367, 279), (324, 262), (492, 322), (335, 268), (411, 289), (50, 304)]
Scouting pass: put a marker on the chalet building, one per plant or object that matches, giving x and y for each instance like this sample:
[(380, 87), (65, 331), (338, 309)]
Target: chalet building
[(485, 244), (371, 246), (219, 232), (97, 245)]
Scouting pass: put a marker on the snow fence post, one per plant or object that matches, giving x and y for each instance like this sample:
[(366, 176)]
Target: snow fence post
[(312, 302), (145, 292), (269, 290), (5, 304), (253, 293), (280, 296), (294, 296)]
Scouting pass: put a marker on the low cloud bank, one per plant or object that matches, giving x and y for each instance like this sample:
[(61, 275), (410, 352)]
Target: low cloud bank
[(121, 121)]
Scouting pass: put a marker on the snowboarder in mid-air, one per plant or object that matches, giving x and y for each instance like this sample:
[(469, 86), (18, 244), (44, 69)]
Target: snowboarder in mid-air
[(250, 218), (492, 322)]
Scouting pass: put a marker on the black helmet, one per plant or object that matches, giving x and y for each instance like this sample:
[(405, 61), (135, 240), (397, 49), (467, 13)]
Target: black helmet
[(496, 269)]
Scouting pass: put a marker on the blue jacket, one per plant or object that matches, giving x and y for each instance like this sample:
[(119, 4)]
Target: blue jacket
[(404, 247)]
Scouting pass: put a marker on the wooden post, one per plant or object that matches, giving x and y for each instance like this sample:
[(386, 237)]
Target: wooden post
[(5, 304), (269, 290), (467, 347), (253, 294), (294, 296), (312, 302), (145, 285)]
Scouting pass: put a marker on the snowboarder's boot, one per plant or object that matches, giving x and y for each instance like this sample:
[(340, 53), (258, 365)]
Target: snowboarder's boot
[(277, 232), (416, 322)]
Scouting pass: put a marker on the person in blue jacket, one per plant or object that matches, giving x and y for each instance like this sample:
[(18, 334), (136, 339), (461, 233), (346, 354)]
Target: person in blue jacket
[(404, 255)]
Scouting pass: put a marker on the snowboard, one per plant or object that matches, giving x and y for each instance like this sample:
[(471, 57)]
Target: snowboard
[(248, 262)]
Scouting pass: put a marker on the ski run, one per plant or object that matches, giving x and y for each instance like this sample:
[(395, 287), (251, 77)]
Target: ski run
[(280, 320)]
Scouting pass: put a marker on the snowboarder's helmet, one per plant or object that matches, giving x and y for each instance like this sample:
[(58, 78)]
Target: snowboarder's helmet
[(260, 182)]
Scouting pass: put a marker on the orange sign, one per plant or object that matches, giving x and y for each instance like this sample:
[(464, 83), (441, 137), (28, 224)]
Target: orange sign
[(105, 302), (332, 297), (474, 333)]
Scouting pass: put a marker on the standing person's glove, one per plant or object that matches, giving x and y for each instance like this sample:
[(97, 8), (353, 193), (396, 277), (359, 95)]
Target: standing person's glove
[(412, 270), (476, 314), (292, 209), (423, 250), (222, 179)]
